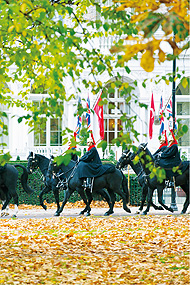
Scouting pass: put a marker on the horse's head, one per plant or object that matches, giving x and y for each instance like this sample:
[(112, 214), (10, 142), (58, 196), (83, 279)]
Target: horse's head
[(124, 159), (144, 154), (52, 167), (143, 146), (32, 162)]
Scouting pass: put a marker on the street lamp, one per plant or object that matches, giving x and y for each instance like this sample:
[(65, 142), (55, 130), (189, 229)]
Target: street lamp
[(173, 192)]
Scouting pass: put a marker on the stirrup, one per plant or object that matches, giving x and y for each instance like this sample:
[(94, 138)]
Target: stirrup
[(84, 183)]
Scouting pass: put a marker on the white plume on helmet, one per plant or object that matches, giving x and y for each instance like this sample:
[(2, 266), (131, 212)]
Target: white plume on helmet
[(170, 137), (90, 140), (162, 139)]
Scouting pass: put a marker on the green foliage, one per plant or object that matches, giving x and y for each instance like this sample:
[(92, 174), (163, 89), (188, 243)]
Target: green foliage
[(48, 42), (4, 158), (103, 145), (184, 156)]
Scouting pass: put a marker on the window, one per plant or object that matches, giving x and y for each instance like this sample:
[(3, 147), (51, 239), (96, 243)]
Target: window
[(4, 120), (47, 131), (40, 133), (183, 111), (4, 139), (55, 132), (112, 113)]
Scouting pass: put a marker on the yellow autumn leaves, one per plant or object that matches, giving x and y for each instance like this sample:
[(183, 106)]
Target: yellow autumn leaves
[(130, 250), (171, 17)]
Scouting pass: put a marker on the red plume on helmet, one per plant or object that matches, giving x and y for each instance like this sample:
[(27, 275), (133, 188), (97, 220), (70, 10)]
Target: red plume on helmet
[(174, 139), (92, 138), (166, 138)]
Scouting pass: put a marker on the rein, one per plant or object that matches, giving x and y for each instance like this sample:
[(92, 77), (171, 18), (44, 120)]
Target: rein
[(71, 175)]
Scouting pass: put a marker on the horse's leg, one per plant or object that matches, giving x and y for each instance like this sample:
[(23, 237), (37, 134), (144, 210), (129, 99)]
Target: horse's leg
[(143, 198), (44, 190), (105, 195), (144, 194), (160, 199), (186, 203), (87, 208), (6, 212), (56, 195), (67, 195), (120, 192), (12, 194), (113, 198), (86, 201), (5, 204), (149, 200)]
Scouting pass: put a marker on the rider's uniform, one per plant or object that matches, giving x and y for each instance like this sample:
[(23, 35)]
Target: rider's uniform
[(90, 164), (162, 146), (170, 159)]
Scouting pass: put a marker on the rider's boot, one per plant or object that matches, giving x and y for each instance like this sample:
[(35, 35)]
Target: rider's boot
[(88, 183)]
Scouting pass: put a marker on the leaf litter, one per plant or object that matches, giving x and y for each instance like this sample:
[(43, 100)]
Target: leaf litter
[(111, 250)]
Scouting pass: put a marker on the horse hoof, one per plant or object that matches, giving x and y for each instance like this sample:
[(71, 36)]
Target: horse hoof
[(87, 214), (144, 213), (138, 212), (44, 207), (108, 213), (128, 210), (57, 214), (160, 208), (81, 213), (3, 214), (14, 216), (171, 210)]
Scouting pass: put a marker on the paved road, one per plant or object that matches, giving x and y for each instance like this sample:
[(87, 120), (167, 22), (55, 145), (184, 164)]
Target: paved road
[(74, 212)]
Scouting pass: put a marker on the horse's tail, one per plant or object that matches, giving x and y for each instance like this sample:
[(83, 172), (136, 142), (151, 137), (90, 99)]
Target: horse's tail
[(125, 186), (24, 179)]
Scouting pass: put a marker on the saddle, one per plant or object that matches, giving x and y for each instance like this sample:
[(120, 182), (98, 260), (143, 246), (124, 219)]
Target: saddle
[(179, 170), (110, 168)]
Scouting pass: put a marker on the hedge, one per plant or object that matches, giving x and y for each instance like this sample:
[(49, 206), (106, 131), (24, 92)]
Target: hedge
[(35, 181)]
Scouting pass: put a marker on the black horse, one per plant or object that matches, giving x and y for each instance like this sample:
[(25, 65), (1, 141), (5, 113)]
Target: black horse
[(36, 161), (53, 182), (8, 184), (110, 181), (127, 159), (182, 180)]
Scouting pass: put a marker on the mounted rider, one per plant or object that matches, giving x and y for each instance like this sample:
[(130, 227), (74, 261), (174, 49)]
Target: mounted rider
[(170, 158), (90, 165), (162, 147)]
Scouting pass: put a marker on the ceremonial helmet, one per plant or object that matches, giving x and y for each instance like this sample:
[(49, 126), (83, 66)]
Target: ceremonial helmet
[(90, 140), (162, 139), (171, 137)]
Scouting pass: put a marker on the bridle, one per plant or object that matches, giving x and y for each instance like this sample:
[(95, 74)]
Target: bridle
[(58, 175), (33, 165)]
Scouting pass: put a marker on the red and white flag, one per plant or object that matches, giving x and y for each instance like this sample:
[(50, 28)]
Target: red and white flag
[(151, 120), (99, 112)]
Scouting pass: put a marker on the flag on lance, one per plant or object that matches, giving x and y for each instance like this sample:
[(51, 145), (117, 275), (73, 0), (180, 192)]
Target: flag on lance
[(88, 114), (151, 119), (170, 117), (161, 117), (99, 112), (79, 119)]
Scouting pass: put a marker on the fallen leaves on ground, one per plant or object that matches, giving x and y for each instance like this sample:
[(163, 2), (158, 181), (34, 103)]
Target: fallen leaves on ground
[(95, 250), (77, 204)]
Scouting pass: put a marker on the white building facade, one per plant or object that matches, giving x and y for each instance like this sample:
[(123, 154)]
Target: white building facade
[(20, 140)]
